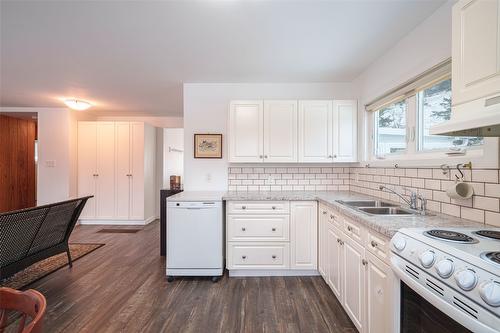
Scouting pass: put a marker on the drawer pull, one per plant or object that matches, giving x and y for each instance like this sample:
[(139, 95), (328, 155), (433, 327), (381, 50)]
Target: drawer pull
[(349, 228), (364, 262), (332, 217), (274, 256), (273, 207), (243, 229), (324, 212), (243, 257), (273, 229), (243, 207), (374, 244), (338, 240)]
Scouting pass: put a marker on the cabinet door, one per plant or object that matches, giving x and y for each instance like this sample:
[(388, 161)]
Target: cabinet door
[(123, 174), (137, 171), (345, 131), (105, 170), (354, 282), (304, 234), (315, 131), (246, 131), (475, 50), (335, 260), (87, 165), (280, 131), (322, 235), (379, 304)]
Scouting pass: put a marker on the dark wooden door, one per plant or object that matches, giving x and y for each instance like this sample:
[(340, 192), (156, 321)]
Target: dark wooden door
[(17, 163)]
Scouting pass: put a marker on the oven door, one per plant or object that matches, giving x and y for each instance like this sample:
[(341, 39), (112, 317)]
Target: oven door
[(418, 315), (442, 309)]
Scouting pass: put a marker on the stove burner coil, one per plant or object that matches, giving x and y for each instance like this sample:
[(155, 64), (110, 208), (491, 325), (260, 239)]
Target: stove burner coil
[(493, 234), (450, 236), (492, 256)]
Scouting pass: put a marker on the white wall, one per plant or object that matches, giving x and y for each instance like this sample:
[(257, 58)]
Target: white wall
[(424, 47), (206, 110), (173, 162)]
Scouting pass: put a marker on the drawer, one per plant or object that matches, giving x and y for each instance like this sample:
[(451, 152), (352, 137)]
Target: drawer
[(258, 228), (334, 218), (378, 245), (258, 256), (355, 231), (258, 207)]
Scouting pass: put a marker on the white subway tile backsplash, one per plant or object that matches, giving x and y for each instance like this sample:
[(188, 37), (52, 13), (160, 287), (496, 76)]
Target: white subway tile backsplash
[(430, 183)]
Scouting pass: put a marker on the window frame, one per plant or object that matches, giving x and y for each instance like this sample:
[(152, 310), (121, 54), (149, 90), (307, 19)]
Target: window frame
[(484, 156), (375, 129)]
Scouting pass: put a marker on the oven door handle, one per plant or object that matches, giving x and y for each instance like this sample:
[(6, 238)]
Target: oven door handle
[(454, 313)]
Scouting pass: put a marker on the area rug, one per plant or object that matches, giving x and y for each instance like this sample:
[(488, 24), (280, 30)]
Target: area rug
[(45, 267)]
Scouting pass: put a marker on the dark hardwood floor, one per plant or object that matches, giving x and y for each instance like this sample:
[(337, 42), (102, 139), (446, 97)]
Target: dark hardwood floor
[(122, 287)]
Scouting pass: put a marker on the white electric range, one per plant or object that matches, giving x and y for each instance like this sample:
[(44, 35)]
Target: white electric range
[(448, 279)]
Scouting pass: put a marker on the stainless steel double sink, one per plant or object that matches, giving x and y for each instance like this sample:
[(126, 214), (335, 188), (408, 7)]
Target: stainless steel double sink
[(377, 207)]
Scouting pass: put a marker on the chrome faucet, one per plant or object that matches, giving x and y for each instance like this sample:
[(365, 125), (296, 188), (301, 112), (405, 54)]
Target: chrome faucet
[(414, 198)]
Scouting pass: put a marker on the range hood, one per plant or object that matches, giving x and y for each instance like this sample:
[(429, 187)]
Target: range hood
[(480, 117)]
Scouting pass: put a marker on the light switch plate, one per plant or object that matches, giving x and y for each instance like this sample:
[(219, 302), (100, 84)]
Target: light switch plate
[(50, 164)]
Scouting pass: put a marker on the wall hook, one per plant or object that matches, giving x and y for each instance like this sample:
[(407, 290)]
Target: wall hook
[(445, 168), (461, 178)]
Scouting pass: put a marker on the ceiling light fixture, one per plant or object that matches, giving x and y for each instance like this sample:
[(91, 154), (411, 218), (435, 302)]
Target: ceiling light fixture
[(77, 104)]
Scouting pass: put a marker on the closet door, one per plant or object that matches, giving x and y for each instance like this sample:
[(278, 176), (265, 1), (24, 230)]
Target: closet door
[(122, 174), (246, 127), (137, 171), (280, 131), (105, 170), (87, 166), (315, 131), (345, 131)]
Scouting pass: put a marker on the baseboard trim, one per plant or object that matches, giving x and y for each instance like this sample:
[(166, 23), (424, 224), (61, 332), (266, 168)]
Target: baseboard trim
[(273, 272), (113, 222)]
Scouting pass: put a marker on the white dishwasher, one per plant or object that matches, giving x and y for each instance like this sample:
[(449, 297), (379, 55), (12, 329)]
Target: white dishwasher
[(194, 239)]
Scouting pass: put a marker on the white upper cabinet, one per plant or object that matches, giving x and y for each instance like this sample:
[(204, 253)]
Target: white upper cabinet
[(287, 131), (345, 131), (315, 131), (280, 131), (246, 129), (475, 50)]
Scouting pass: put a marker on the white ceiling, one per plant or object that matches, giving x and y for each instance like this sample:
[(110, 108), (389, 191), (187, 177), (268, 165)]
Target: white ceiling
[(131, 57)]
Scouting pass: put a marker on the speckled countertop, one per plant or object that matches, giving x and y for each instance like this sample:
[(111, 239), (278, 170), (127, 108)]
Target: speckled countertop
[(386, 225)]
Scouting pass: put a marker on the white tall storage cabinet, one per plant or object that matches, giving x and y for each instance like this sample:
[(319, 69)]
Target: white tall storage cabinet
[(116, 164)]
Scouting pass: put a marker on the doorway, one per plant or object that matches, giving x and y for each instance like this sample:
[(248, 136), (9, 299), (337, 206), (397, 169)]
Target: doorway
[(18, 160)]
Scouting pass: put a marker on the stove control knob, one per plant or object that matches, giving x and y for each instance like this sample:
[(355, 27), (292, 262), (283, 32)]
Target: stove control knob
[(445, 268), (399, 243), (490, 292), (466, 279), (427, 258)]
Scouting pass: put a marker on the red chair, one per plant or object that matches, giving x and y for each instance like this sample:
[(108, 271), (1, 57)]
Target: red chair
[(28, 303)]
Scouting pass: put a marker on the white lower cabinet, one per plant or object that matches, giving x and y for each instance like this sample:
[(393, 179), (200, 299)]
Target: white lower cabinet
[(322, 225), (271, 238), (354, 281), (304, 235), (334, 258), (379, 300), (355, 265)]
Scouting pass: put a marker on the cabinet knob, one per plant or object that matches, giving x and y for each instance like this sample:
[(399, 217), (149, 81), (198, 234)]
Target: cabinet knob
[(273, 207), (243, 229), (338, 240), (243, 207), (243, 257), (330, 156), (374, 244), (334, 156), (265, 156), (261, 156), (324, 212), (331, 216), (274, 256), (364, 262), (349, 228), (273, 229)]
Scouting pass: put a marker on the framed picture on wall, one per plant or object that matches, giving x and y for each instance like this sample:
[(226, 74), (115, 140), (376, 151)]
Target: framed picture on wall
[(208, 146)]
